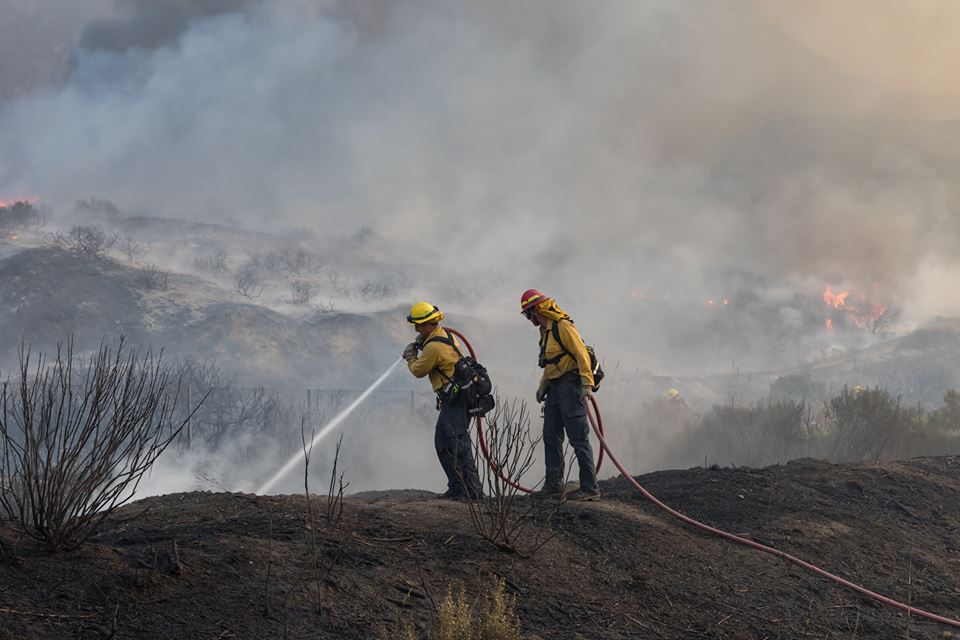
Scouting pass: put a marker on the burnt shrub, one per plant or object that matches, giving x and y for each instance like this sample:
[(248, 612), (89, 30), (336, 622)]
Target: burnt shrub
[(77, 435), (89, 241), (150, 277)]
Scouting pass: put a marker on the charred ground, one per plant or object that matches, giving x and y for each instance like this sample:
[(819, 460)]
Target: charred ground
[(207, 565)]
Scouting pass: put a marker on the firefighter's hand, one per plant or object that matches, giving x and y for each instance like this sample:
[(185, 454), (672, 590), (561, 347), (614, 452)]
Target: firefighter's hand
[(586, 391), (541, 393), (410, 352)]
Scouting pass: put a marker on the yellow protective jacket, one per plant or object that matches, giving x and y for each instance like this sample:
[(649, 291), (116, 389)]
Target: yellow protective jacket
[(434, 358), (574, 344)]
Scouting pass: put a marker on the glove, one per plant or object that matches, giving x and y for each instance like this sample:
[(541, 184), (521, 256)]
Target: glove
[(410, 351), (586, 391), (541, 393)]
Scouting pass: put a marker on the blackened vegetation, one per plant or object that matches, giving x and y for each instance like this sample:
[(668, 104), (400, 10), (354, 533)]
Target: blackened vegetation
[(77, 437), (150, 277), (244, 565), (89, 241), (503, 516)]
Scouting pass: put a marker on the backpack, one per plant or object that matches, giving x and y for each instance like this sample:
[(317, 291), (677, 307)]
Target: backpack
[(594, 362), (470, 383)]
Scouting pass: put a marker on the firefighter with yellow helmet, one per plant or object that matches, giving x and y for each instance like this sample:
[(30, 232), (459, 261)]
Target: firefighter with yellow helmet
[(567, 378), (433, 354)]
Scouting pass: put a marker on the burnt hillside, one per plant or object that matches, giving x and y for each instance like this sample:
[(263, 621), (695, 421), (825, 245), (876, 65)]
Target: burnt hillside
[(205, 565)]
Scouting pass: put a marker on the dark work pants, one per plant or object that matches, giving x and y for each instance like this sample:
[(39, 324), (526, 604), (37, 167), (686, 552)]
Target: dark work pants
[(455, 451), (563, 412)]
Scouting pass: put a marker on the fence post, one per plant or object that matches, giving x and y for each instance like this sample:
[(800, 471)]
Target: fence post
[(189, 416)]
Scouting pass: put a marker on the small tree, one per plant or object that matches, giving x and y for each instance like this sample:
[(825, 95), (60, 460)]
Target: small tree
[(302, 292), (247, 281), (76, 437), (131, 248), (20, 215), (215, 262), (98, 208)]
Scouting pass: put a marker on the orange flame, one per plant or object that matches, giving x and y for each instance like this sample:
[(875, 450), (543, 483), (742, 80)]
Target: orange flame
[(863, 313), (837, 301)]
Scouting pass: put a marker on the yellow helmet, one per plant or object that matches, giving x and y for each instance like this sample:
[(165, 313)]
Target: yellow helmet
[(857, 390), (424, 312), (672, 393)]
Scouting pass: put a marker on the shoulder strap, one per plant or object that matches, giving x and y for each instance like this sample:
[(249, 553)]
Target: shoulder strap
[(447, 340), (556, 336)]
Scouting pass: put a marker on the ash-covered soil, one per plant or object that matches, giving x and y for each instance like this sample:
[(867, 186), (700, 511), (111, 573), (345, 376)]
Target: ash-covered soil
[(205, 565)]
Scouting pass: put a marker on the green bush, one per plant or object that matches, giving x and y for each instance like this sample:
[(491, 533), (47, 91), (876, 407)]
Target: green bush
[(755, 434), (870, 424)]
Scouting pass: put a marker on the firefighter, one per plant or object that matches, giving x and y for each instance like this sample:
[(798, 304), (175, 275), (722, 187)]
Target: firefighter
[(434, 353), (566, 382)]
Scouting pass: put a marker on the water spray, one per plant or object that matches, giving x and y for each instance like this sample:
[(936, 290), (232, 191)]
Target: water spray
[(330, 426)]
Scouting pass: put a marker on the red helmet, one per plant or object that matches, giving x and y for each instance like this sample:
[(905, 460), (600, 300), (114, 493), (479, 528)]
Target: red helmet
[(530, 298)]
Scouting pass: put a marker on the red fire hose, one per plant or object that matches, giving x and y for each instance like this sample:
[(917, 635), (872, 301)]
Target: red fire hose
[(596, 421), (598, 429), (481, 438)]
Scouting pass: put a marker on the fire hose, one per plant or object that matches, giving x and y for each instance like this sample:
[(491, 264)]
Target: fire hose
[(596, 422), (482, 439)]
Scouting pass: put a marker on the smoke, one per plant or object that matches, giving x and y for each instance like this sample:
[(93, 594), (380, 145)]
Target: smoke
[(635, 158), (142, 24)]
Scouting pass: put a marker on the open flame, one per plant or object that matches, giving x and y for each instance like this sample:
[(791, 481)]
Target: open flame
[(711, 303), (10, 203), (861, 312)]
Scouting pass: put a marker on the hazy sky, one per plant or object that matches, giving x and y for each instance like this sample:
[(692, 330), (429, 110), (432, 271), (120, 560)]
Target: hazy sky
[(679, 149)]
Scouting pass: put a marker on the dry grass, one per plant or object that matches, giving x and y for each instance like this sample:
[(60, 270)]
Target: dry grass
[(494, 618)]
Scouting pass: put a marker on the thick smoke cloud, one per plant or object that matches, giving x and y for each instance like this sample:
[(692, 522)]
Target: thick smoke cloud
[(36, 39), (148, 24), (634, 158)]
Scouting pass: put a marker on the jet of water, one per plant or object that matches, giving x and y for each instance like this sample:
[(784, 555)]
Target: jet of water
[(330, 426)]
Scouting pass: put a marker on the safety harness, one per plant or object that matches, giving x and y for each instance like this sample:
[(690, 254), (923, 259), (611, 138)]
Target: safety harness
[(543, 360), (470, 382)]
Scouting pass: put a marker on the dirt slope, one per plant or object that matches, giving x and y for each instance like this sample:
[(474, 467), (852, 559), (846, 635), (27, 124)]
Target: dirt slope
[(615, 569)]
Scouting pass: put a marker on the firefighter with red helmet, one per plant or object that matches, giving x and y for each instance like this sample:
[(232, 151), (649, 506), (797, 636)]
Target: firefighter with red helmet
[(566, 381)]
